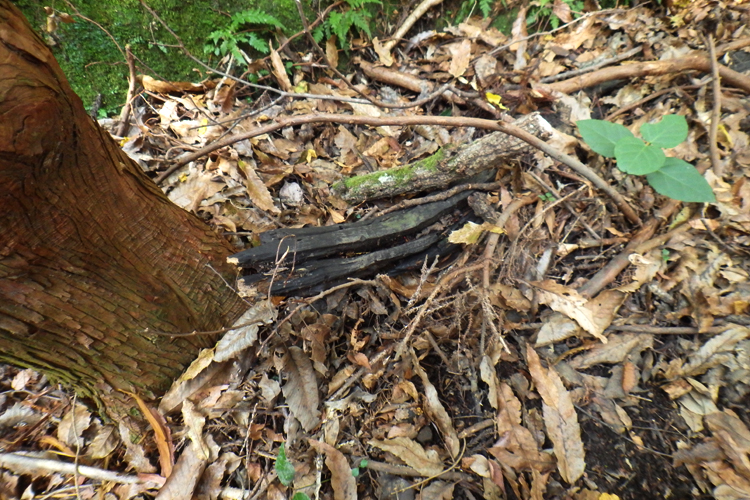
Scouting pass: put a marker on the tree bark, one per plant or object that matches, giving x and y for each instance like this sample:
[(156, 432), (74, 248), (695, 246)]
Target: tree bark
[(94, 259)]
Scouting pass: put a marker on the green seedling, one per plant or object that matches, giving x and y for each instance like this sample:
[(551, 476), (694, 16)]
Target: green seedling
[(284, 468), (669, 176)]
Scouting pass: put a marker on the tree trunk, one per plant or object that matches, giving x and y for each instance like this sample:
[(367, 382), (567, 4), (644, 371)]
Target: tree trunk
[(94, 259)]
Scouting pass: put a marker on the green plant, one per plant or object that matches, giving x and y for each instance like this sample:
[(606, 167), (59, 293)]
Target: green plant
[(356, 471), (340, 23), (542, 9), (671, 177), (284, 468), (229, 39), (547, 197)]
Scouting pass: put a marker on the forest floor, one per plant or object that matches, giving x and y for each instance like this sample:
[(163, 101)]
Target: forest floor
[(574, 345)]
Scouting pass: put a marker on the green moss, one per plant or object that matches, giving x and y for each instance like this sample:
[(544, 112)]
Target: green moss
[(401, 175), (94, 65)]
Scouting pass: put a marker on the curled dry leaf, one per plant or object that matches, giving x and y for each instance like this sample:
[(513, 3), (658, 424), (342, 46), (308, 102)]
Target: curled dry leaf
[(436, 412), (277, 67), (244, 332), (343, 482), (426, 462), (72, 425), (256, 190), (301, 388), (461, 56), (594, 315), (560, 419)]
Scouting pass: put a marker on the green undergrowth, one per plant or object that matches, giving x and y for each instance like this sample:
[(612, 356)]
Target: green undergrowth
[(92, 62)]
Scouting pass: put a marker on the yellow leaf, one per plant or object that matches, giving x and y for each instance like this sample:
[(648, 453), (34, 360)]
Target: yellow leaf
[(495, 100), (311, 155), (468, 234)]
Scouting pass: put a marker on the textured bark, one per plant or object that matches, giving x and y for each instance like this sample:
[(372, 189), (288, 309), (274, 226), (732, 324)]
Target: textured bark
[(92, 254), (454, 163)]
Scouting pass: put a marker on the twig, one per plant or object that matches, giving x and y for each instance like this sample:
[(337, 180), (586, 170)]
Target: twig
[(614, 267), (442, 283), (570, 74), (575, 165), (650, 97), (325, 293), (566, 204), (651, 68), (344, 79), (442, 195), (446, 121), (713, 131), (23, 464), (410, 21), (122, 128)]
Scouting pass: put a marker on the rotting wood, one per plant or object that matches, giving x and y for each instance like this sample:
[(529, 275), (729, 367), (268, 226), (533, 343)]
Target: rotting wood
[(389, 242), (446, 166)]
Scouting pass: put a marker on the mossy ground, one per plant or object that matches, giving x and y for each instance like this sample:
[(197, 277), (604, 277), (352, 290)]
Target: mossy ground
[(94, 65)]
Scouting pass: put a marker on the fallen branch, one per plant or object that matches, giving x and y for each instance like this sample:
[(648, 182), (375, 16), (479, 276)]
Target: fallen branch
[(652, 68), (446, 166)]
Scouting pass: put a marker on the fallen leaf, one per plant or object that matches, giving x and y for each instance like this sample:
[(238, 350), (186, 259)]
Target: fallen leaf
[(256, 190), (301, 388), (436, 412), (461, 56), (560, 419), (426, 462), (343, 482)]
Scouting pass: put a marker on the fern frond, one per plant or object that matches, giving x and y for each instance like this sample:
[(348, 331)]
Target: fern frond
[(485, 7), (254, 16)]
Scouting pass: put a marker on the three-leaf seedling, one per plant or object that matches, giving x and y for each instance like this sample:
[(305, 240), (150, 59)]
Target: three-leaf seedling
[(669, 176)]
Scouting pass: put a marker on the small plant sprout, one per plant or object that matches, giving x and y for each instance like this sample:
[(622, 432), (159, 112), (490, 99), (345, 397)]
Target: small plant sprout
[(669, 176)]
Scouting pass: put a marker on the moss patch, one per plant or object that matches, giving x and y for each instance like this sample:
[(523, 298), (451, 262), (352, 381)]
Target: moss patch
[(92, 62)]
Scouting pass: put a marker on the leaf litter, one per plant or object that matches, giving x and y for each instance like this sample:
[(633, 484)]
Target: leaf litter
[(562, 353)]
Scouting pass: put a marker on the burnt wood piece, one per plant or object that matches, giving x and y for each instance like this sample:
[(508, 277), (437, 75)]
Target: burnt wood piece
[(318, 275), (319, 242)]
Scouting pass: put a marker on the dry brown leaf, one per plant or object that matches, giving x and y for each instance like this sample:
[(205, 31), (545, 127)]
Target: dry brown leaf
[(594, 315), (436, 412), (489, 376), (301, 388), (332, 53), (162, 434), (105, 441), (343, 482), (426, 462), (188, 469), (135, 455), (195, 421), (616, 350), (256, 190), (383, 52), (556, 327), (72, 425), (244, 332), (277, 67), (437, 490), (560, 419), (460, 57), (709, 355)]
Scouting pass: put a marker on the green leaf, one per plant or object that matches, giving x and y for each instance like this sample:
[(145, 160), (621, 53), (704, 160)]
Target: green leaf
[(601, 136), (681, 181), (300, 496), (668, 133), (284, 468), (637, 158)]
